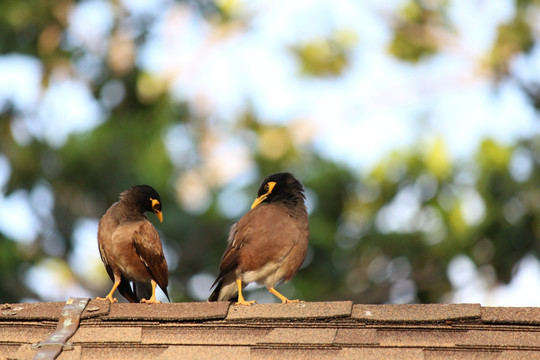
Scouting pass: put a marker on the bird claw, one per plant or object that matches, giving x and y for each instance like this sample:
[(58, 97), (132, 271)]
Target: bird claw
[(245, 303), (150, 301), (108, 298), (287, 301)]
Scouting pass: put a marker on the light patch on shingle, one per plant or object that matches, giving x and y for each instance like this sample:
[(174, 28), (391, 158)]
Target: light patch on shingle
[(301, 336), (25, 351), (205, 353), (415, 337), (517, 338), (381, 354), (204, 335), (24, 333), (468, 354), (295, 354), (107, 334), (356, 336), (8, 350), (122, 352), (519, 355)]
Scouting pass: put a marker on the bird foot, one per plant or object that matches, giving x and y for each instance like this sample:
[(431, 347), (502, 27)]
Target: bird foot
[(150, 301), (287, 301), (108, 298), (244, 302)]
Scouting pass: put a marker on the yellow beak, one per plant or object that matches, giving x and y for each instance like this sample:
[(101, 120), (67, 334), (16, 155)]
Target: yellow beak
[(263, 197), (155, 210)]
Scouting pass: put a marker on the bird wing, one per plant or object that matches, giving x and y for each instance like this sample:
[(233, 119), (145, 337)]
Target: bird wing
[(148, 246), (106, 229), (106, 262), (265, 234), (229, 260)]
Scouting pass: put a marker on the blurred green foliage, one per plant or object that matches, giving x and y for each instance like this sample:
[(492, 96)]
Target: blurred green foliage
[(414, 36), (326, 57), (359, 250)]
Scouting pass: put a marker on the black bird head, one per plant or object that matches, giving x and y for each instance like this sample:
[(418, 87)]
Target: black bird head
[(280, 187), (143, 198)]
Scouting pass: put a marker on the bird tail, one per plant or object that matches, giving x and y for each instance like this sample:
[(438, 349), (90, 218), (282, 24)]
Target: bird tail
[(143, 290), (166, 293), (125, 289), (224, 292), (215, 294)]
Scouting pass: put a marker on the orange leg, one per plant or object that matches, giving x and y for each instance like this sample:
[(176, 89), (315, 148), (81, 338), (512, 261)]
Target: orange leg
[(241, 300), (152, 299), (283, 299), (109, 295)]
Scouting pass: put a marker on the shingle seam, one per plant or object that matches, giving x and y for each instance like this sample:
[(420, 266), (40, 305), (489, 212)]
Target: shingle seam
[(494, 348), (123, 345), (233, 326), (510, 323), (410, 329), (127, 323), (360, 345), (497, 327), (499, 347), (296, 346), (442, 349), (438, 348), (284, 324), (419, 321)]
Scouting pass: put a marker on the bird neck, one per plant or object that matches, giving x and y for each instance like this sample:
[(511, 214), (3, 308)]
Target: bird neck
[(295, 206), (130, 210)]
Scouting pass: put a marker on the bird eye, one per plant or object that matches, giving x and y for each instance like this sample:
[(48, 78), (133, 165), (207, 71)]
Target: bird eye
[(266, 187), (155, 204)]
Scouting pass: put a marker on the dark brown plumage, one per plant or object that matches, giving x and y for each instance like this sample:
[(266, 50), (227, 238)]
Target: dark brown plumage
[(268, 244), (130, 246)]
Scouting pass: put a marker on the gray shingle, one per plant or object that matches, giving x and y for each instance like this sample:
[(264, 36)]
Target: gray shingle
[(295, 354), (121, 352), (31, 311), (204, 335), (417, 312), (511, 315), (169, 311), (381, 354), (334, 330), (356, 336), (107, 334), (21, 333), (421, 337), (96, 308), (208, 352), (465, 354), (302, 310), (301, 336)]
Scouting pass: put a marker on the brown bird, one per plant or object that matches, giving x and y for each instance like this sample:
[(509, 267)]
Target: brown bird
[(268, 244), (130, 246)]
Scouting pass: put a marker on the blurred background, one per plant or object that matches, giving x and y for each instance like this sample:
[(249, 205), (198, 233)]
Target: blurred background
[(413, 125)]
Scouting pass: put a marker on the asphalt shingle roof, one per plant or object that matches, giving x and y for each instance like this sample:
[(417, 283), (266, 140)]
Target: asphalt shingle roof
[(325, 330)]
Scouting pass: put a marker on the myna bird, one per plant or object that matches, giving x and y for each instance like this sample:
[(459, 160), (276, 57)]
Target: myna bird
[(268, 244), (130, 246)]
